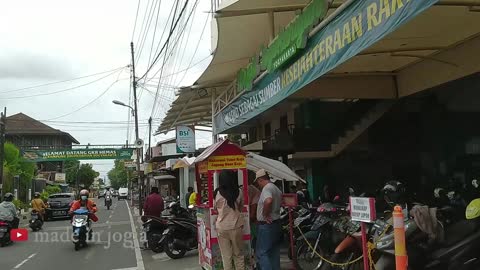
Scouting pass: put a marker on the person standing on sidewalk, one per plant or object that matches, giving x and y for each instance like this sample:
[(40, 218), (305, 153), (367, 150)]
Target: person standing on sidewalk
[(267, 249), (187, 196), (154, 204), (229, 224)]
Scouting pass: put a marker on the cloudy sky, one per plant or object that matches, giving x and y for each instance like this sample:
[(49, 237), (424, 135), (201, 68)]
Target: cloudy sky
[(44, 42)]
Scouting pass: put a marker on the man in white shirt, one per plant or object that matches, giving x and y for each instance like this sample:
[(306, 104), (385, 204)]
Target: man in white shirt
[(267, 249)]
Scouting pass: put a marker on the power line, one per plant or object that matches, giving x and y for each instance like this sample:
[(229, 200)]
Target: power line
[(57, 82), (86, 105), (167, 41), (136, 17), (61, 91), (145, 33), (166, 58)]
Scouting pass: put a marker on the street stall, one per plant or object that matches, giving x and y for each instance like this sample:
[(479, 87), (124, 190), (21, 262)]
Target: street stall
[(220, 156)]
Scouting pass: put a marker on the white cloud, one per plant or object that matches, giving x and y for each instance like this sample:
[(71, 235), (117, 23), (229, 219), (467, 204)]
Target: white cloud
[(45, 41)]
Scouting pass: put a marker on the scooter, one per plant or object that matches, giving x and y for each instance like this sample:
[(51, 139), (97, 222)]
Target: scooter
[(179, 237), (5, 228), (108, 201), (81, 227), (35, 222), (153, 228)]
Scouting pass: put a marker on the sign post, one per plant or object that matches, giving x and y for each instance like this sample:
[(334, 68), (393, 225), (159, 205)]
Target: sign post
[(363, 209)]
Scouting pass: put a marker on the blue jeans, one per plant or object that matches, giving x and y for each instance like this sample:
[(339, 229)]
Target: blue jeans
[(267, 249)]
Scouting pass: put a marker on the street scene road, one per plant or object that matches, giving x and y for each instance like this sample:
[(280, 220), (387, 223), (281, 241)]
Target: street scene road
[(112, 247)]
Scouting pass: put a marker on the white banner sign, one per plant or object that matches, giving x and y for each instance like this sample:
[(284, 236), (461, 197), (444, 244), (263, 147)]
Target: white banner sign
[(362, 209), (60, 177), (185, 139)]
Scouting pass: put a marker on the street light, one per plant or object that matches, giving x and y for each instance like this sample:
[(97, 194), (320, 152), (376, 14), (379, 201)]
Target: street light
[(134, 112), (116, 102)]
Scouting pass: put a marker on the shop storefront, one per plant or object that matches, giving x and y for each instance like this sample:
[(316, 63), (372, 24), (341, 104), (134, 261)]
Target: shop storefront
[(325, 93)]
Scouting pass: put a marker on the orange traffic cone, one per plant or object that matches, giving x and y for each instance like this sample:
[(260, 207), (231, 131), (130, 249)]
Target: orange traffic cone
[(401, 257)]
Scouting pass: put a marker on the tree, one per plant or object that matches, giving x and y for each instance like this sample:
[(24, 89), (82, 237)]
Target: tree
[(14, 164), (71, 170), (86, 175), (118, 175)]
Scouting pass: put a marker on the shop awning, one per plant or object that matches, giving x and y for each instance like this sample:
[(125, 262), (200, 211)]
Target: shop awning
[(276, 169), (184, 162), (164, 177)]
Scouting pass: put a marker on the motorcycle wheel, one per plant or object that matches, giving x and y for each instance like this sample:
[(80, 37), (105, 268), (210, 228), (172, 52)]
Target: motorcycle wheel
[(77, 246), (341, 258), (108, 207), (154, 245), (171, 251), (306, 259)]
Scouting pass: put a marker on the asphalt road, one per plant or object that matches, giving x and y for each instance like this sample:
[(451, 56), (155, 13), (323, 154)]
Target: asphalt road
[(114, 246)]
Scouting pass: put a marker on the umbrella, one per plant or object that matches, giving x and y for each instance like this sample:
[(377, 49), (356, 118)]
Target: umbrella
[(276, 169)]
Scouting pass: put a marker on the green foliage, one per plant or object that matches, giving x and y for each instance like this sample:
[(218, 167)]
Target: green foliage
[(86, 175), (118, 175), (44, 196), (71, 170), (15, 164), (52, 189), (20, 205)]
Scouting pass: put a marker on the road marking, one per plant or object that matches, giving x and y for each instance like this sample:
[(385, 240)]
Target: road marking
[(138, 253), (24, 261), (131, 268)]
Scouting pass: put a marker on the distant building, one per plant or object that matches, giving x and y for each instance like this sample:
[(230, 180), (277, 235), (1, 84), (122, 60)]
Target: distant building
[(28, 133)]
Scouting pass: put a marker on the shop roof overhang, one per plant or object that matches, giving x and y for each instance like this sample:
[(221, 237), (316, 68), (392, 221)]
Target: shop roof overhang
[(435, 47), (232, 48)]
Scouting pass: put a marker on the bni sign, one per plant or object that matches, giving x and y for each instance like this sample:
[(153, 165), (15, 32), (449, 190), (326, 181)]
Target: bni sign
[(185, 139), (362, 209)]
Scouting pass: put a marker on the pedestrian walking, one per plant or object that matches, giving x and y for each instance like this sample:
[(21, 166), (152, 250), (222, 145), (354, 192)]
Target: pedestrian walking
[(229, 224), (267, 249)]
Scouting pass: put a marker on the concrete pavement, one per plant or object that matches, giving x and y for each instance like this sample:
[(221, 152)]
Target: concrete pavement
[(115, 246)]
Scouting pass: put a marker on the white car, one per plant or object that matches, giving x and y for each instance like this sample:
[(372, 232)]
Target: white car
[(123, 193)]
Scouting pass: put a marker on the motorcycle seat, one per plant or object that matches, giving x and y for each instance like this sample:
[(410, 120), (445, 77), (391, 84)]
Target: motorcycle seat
[(459, 231)]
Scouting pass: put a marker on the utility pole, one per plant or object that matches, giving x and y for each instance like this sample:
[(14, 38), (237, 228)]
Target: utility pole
[(139, 174), (149, 138), (3, 122)]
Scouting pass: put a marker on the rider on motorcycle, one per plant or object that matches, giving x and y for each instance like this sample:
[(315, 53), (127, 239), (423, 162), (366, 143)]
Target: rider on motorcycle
[(107, 193), (38, 205), (8, 211), (83, 201)]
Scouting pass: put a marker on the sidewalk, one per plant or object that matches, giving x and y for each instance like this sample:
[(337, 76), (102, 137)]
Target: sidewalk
[(156, 261)]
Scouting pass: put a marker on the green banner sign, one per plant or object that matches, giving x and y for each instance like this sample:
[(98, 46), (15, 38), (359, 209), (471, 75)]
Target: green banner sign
[(78, 154), (358, 27)]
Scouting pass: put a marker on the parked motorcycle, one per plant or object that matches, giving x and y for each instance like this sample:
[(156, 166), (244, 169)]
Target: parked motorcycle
[(321, 236), (5, 228), (81, 227), (181, 234), (35, 222), (153, 228), (108, 201)]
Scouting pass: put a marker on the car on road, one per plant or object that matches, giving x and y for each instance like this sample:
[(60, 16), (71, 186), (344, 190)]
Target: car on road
[(123, 193), (101, 194), (58, 205)]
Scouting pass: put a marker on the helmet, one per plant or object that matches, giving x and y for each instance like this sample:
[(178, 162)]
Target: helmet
[(394, 192), (84, 192), (36, 195), (473, 209), (475, 183), (8, 197)]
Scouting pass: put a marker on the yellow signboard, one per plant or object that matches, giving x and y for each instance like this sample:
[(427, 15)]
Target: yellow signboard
[(227, 162)]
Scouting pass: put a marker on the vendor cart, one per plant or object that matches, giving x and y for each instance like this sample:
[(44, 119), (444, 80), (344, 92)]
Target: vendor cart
[(220, 156)]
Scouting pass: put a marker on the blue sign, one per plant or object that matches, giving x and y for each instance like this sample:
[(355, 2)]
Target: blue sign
[(358, 27)]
